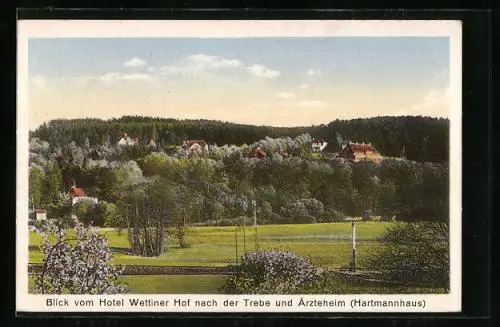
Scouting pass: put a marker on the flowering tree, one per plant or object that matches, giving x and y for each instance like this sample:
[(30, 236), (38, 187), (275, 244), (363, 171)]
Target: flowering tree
[(77, 265), (274, 272)]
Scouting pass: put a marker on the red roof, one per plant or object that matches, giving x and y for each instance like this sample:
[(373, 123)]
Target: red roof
[(260, 153), (128, 138), (77, 192), (357, 147), (200, 142)]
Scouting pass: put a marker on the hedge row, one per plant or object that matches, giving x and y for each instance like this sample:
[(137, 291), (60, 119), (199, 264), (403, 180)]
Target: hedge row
[(160, 270)]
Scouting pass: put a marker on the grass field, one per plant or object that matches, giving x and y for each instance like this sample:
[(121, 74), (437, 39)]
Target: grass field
[(211, 285), (204, 284), (328, 245)]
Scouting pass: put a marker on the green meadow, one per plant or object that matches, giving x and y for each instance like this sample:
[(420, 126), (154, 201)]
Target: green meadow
[(327, 245), (208, 284)]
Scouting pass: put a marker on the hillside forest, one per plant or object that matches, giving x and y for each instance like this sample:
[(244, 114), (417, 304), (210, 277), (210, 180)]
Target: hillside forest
[(161, 181)]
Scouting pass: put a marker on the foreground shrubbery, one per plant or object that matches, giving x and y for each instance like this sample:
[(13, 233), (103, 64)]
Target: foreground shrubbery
[(77, 265), (274, 272), (414, 253)]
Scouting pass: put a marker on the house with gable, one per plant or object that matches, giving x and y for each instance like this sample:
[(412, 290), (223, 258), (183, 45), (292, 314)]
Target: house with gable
[(126, 140), (356, 152), (40, 214), (319, 145), (78, 194), (259, 153)]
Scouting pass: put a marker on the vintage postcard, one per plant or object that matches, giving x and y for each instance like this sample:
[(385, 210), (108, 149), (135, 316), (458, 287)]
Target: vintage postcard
[(239, 166)]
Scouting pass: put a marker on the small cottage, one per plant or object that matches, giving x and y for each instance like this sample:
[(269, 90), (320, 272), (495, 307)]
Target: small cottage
[(195, 146), (126, 140), (40, 214), (259, 153), (78, 194), (360, 152), (319, 145)]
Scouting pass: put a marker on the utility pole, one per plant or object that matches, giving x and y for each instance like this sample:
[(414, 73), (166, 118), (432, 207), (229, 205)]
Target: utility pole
[(236, 242), (254, 205), (353, 263), (244, 235)]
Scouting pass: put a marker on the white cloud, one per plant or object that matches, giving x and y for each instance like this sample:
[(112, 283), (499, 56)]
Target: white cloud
[(263, 71), (197, 63), (214, 62), (134, 63), (313, 72), (113, 77), (312, 104), (285, 95), (304, 86)]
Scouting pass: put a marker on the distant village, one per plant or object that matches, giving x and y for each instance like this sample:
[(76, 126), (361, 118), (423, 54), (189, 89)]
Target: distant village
[(350, 152)]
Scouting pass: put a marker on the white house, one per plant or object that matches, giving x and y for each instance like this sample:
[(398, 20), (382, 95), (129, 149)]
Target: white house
[(126, 140), (78, 194), (319, 145), (152, 144), (40, 214), (195, 146)]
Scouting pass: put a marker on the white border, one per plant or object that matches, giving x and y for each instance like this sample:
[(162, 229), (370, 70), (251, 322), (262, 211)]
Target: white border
[(208, 29)]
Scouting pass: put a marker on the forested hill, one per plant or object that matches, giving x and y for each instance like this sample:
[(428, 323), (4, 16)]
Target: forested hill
[(421, 138)]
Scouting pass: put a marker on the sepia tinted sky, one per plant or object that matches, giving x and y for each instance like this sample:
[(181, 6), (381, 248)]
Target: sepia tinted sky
[(271, 81)]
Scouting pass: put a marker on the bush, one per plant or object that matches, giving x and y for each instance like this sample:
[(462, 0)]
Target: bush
[(314, 207), (79, 265), (296, 208), (368, 215), (273, 272), (414, 253), (276, 219), (330, 215), (303, 207), (224, 222), (304, 220)]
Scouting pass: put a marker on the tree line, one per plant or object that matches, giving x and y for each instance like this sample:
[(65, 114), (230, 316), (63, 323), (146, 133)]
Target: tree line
[(225, 183), (414, 137)]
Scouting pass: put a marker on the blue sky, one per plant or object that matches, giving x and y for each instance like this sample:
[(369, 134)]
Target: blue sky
[(266, 69)]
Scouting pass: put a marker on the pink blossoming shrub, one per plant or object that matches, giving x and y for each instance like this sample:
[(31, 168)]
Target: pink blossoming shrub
[(77, 264), (274, 272)]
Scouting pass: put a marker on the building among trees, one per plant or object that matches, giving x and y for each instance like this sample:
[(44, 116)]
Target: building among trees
[(126, 140), (319, 145), (78, 194), (195, 146), (360, 151), (40, 214), (259, 153)]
